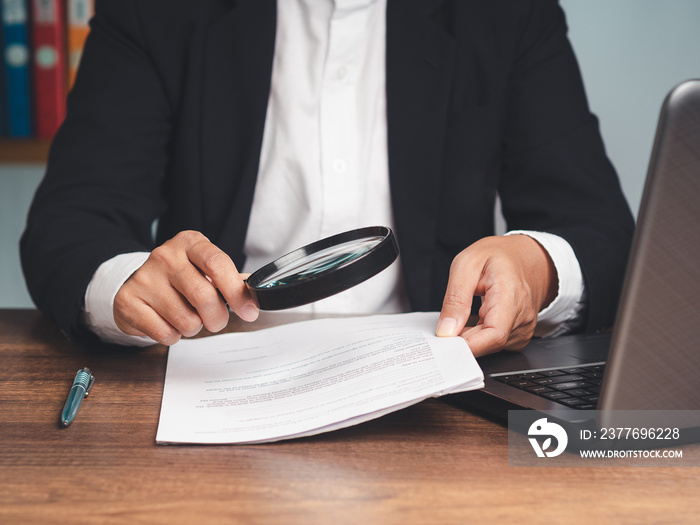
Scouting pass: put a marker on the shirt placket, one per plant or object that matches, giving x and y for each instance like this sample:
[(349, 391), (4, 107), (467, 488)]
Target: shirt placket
[(339, 126)]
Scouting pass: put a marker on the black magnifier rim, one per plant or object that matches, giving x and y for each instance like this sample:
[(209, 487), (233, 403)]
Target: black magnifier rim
[(329, 282)]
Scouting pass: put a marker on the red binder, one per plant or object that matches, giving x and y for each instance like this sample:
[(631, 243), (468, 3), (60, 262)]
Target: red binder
[(49, 65)]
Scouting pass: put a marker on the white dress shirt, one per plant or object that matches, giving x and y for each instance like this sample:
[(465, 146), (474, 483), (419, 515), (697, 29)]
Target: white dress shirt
[(324, 165)]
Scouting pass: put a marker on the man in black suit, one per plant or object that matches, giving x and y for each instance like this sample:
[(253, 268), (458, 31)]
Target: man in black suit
[(167, 119)]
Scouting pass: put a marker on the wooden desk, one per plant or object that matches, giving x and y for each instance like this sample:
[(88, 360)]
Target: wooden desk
[(431, 463)]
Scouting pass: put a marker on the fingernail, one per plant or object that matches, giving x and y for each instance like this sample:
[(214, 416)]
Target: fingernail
[(249, 313), (447, 326)]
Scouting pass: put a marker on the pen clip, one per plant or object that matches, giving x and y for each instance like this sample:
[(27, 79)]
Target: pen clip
[(89, 387)]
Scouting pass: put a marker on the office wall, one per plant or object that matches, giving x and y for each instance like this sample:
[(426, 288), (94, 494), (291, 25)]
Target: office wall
[(631, 53), (17, 185)]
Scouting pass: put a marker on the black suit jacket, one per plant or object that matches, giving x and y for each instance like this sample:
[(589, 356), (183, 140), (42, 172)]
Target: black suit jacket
[(166, 121)]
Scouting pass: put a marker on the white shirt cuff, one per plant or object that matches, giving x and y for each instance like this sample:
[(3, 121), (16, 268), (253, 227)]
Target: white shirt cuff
[(99, 299), (564, 313)]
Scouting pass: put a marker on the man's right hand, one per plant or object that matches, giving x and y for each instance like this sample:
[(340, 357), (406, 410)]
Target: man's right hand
[(179, 290)]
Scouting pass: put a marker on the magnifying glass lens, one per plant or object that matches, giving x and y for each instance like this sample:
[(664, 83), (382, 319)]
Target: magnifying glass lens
[(314, 264), (323, 268)]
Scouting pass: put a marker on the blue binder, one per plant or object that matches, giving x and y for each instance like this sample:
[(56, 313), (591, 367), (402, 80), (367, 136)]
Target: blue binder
[(16, 61)]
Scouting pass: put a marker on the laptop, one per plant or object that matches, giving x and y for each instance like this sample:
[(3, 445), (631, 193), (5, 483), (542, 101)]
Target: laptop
[(651, 360)]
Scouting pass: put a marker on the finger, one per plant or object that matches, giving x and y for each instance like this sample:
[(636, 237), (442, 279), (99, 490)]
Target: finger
[(201, 293), (140, 319), (484, 340), (155, 290), (219, 267), (497, 320), (172, 306), (472, 339), (457, 304)]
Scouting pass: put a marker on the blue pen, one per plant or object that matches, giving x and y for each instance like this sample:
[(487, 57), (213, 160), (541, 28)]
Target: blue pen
[(81, 388)]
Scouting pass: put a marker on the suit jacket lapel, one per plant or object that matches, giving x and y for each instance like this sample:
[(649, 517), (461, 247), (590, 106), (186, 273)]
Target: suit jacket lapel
[(236, 87), (420, 62)]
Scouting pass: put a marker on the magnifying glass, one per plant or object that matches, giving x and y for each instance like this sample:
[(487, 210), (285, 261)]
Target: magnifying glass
[(323, 268)]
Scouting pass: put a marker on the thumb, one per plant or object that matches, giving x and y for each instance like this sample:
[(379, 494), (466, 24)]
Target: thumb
[(457, 304)]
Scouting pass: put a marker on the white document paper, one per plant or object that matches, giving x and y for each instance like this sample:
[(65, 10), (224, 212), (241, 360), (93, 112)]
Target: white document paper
[(306, 378)]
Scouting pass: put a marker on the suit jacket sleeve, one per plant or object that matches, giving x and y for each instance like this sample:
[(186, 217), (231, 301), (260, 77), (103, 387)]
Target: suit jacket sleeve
[(555, 174), (101, 192)]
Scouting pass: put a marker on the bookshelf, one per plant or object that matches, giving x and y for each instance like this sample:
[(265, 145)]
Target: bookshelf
[(23, 151), (46, 38)]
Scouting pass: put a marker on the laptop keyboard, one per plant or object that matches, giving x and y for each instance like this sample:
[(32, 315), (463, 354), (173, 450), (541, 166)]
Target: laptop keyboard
[(573, 387)]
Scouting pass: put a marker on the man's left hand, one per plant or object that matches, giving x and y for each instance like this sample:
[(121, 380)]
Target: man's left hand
[(515, 278)]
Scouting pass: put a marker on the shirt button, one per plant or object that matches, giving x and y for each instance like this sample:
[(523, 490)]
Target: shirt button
[(339, 165), (341, 73)]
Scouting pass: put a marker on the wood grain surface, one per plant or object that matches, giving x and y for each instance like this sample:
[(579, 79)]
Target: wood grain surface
[(431, 463)]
